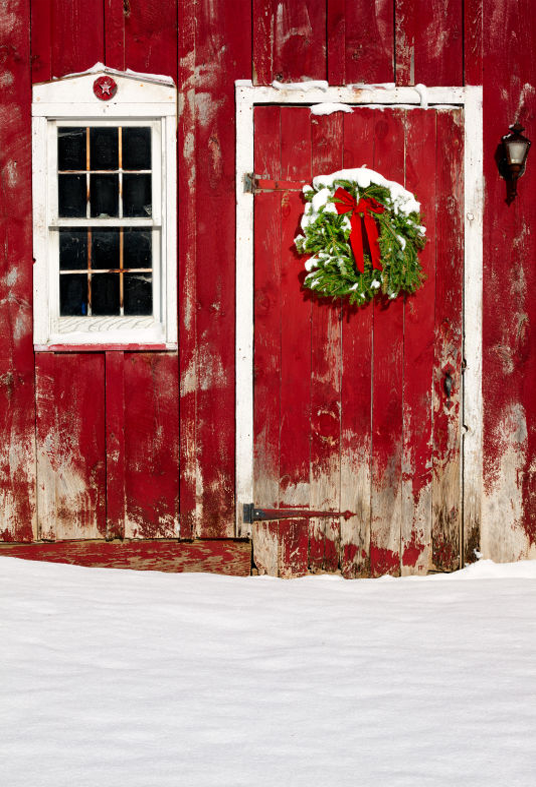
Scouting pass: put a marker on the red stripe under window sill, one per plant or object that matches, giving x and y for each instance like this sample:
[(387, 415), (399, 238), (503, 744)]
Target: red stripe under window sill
[(99, 348)]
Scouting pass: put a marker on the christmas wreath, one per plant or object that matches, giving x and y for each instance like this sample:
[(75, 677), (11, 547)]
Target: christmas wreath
[(363, 233)]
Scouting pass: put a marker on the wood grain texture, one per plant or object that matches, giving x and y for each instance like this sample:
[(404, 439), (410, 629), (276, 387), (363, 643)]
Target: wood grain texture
[(152, 445), (41, 43), (17, 393), (387, 385), (115, 444), (473, 42), (446, 500), (76, 35), (369, 36), (216, 557), (356, 402), (289, 41), (187, 224), (420, 135), (336, 41), (429, 42), (70, 428), (326, 369), (115, 13), (222, 54), (281, 549), (509, 312), (295, 319), (151, 38)]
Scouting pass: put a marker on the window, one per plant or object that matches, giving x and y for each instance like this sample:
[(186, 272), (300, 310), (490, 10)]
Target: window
[(104, 211)]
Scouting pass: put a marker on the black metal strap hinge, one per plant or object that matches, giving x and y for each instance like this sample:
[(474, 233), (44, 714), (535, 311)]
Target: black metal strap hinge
[(252, 514)]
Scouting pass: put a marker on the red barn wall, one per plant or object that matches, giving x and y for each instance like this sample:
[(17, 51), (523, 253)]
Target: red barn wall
[(206, 46)]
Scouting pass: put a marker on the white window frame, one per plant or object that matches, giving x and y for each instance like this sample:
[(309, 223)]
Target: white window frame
[(469, 99), (141, 99)]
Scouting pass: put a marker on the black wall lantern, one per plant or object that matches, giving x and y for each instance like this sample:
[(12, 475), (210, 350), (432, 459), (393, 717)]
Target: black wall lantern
[(515, 149)]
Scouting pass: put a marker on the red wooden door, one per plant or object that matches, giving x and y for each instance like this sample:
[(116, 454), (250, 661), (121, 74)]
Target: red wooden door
[(351, 411)]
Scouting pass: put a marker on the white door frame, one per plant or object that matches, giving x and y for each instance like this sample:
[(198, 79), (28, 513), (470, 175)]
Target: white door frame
[(470, 99)]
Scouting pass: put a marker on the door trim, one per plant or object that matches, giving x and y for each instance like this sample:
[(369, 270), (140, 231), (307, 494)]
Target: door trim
[(470, 99)]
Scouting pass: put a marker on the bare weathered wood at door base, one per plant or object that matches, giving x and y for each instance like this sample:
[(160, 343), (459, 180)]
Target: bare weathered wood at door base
[(213, 556)]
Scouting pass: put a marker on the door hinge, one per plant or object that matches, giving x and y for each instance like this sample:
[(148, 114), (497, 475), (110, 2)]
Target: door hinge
[(253, 184), (252, 514)]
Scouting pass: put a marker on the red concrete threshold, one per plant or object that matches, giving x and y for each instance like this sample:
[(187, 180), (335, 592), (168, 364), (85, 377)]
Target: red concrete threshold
[(216, 556)]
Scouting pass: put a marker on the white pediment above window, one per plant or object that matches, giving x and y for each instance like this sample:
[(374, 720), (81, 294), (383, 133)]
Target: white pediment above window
[(131, 88)]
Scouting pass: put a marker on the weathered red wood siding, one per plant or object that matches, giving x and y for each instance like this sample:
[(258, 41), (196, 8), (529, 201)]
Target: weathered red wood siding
[(509, 362), (17, 395), (206, 46)]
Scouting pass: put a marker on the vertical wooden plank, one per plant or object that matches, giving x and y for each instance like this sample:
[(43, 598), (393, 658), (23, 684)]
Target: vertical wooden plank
[(17, 405), (115, 12), (77, 35), (324, 534), (71, 446), (115, 445), (420, 128), (509, 308), (425, 57), (46, 444), (186, 158), (336, 41), (263, 19), (280, 549), (223, 54), (268, 315), (289, 40), (151, 445), (356, 403), (151, 37), (369, 41), (473, 41), (388, 381), (446, 494), (405, 33), (293, 548), (266, 548), (41, 40), (296, 318)]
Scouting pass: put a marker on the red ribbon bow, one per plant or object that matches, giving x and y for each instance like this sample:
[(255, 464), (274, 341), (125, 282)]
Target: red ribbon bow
[(347, 204)]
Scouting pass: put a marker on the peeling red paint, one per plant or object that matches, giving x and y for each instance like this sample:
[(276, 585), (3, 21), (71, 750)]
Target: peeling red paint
[(411, 553), (383, 561)]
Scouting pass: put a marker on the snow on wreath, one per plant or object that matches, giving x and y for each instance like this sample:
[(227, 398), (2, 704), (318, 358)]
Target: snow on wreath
[(363, 233)]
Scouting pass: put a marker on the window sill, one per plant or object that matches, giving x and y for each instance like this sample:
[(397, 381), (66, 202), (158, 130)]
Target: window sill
[(105, 347)]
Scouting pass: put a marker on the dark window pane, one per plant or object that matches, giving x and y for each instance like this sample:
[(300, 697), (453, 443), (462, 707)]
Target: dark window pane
[(73, 249), (72, 195), (105, 294), (136, 148), (138, 293), (137, 249), (103, 148), (104, 195), (105, 248), (73, 294), (71, 148), (137, 199)]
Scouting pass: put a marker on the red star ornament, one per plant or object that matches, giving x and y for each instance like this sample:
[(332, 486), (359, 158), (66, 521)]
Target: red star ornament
[(105, 88)]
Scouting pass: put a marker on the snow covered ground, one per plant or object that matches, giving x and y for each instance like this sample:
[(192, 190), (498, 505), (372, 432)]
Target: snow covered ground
[(112, 678)]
